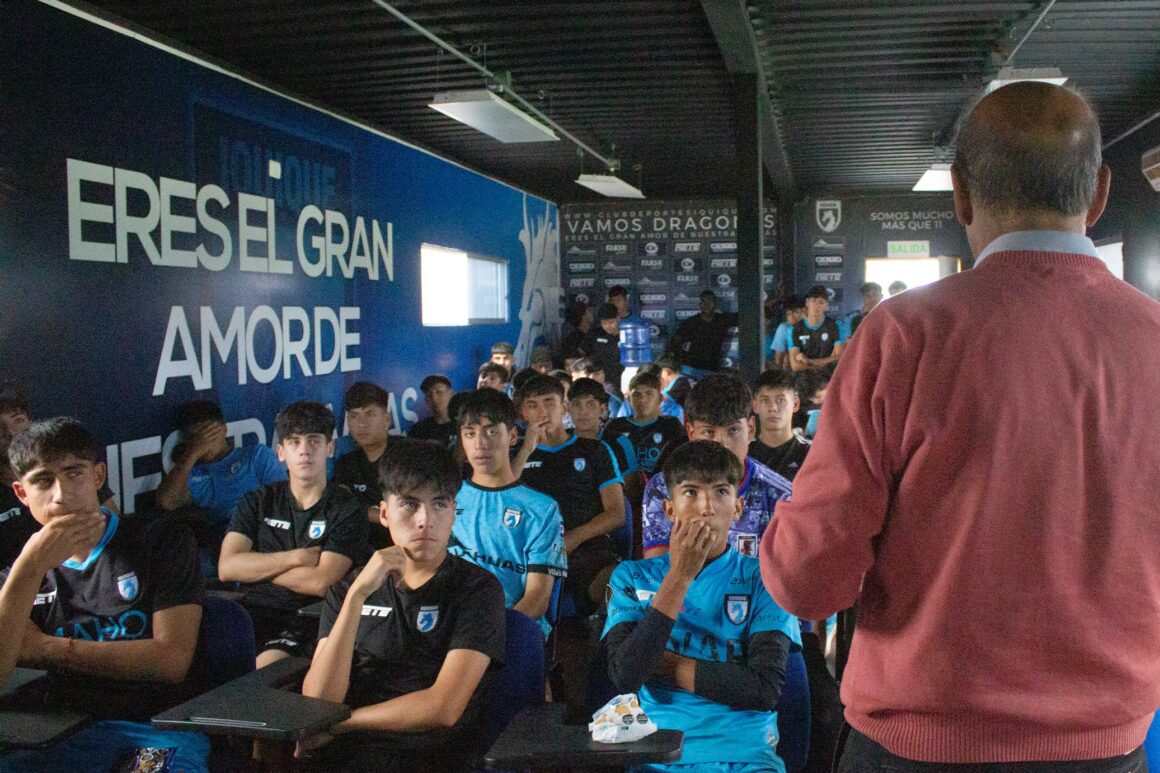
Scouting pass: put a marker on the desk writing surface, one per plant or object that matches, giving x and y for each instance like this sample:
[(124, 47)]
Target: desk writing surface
[(25, 721), (253, 707), (538, 737)]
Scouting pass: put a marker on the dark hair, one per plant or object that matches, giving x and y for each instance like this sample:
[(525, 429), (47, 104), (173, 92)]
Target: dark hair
[(868, 287), (703, 461), (607, 311), (775, 379), (49, 440), (588, 387), (433, 380), (645, 378), (304, 417), (363, 394), (561, 376), (12, 399), (718, 399), (408, 464), (487, 403), (897, 286), (540, 384), (668, 362), (794, 302), (617, 290), (455, 404), (817, 291), (521, 377), (188, 415), (540, 354), (502, 347), (585, 365), (487, 368), (809, 382), (1038, 160)]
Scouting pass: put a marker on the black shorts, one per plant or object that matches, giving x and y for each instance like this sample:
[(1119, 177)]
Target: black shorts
[(285, 630)]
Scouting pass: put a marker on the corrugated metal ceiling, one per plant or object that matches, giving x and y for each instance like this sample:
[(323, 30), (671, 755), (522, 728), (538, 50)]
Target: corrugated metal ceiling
[(863, 90)]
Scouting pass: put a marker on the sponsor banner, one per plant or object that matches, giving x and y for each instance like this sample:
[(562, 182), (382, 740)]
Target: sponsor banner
[(835, 294), (683, 314), (721, 264), (658, 314), (719, 247), (829, 244), (724, 293), (828, 260), (688, 248), (617, 266), (581, 282), (580, 251), (587, 267), (652, 264), (653, 248), (690, 265), (653, 298), (617, 248), (719, 282), (828, 276), (768, 262), (658, 332), (689, 280), (643, 283)]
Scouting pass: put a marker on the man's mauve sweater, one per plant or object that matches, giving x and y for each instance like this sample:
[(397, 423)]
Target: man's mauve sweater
[(989, 462)]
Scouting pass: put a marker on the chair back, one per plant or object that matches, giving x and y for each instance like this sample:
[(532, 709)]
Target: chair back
[(520, 683), (1152, 743), (793, 715), (225, 643)]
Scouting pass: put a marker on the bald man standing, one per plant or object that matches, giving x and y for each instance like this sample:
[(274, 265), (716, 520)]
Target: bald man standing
[(989, 483)]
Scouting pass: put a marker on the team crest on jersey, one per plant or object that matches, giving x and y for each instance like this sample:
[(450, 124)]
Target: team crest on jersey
[(737, 607), (128, 586), (512, 517), (825, 336), (580, 464), (235, 468), (746, 544), (657, 437), (428, 617), (317, 528)]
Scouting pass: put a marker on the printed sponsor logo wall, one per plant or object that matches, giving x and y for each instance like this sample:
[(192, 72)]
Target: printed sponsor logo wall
[(666, 253), (170, 231)]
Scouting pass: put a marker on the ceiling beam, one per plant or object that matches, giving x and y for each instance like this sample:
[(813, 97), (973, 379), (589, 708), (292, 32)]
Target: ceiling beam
[(729, 20)]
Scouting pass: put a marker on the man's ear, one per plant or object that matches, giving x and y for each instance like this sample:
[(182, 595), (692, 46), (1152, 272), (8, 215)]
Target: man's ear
[(667, 504), (20, 491), (689, 430), (330, 448), (1103, 185), (513, 436), (738, 507), (963, 209), (749, 422), (280, 452), (383, 512)]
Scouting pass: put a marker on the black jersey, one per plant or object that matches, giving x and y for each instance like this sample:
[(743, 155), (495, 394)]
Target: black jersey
[(269, 517), (604, 349), (135, 571), (785, 459), (816, 343), (16, 526), (652, 442), (699, 343), (359, 474), (429, 429), (573, 473), (404, 635)]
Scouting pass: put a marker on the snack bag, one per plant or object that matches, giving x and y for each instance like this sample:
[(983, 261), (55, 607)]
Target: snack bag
[(621, 721)]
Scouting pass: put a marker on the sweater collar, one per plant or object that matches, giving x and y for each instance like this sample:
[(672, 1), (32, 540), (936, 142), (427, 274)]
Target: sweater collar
[(1040, 241)]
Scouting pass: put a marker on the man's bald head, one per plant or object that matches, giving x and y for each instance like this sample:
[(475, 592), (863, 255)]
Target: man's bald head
[(1030, 147)]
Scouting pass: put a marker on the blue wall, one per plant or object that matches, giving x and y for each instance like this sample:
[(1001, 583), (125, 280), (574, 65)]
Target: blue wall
[(106, 324)]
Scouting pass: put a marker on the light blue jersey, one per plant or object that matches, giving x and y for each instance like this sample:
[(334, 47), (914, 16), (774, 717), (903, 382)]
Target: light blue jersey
[(217, 486), (510, 532), (725, 606)]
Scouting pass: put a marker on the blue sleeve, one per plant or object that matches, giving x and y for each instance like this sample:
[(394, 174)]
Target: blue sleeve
[(843, 330), (267, 468), (655, 526), (768, 616), (546, 551), (780, 341), (624, 606), (789, 342)]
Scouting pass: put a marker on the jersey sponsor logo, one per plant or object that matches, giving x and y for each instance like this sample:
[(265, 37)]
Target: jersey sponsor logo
[(277, 523), (645, 595), (579, 464), (8, 515), (360, 488), (129, 625), (45, 598), (128, 586), (512, 517), (737, 607), (746, 544), (531, 465), (235, 468), (484, 560), (428, 617), (370, 610), (804, 339), (317, 528)]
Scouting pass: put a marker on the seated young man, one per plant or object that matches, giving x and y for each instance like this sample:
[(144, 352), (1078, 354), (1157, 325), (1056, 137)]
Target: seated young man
[(440, 425), (368, 416), (811, 386), (777, 446), (409, 642), (651, 434), (494, 376), (581, 475), (718, 408), (694, 632), (110, 607), (505, 527), (675, 387), (211, 474), (290, 541)]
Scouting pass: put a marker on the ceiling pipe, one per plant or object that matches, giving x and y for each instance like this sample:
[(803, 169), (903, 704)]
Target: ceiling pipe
[(608, 162), (1022, 40)]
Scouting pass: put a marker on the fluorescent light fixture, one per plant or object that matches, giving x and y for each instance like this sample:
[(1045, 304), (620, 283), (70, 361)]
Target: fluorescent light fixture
[(609, 185), (1009, 75), (496, 117), (937, 178)]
